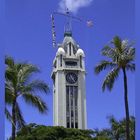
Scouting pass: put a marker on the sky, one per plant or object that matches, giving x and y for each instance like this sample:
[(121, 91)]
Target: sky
[(137, 35), (28, 38), (2, 70)]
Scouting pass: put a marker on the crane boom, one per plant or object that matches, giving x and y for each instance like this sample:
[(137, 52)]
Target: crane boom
[(67, 14)]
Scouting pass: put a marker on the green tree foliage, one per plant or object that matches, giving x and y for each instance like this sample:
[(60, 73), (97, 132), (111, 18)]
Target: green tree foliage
[(20, 84), (120, 56), (117, 129), (41, 132)]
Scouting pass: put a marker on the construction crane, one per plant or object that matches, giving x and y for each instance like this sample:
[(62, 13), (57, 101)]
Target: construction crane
[(70, 17)]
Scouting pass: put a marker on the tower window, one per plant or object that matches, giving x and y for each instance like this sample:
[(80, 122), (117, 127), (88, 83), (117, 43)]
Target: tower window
[(76, 125), (70, 49), (72, 125), (71, 63), (61, 60), (74, 50), (71, 108), (68, 125), (80, 61)]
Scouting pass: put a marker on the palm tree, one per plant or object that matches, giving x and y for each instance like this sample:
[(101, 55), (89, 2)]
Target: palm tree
[(19, 84), (117, 128), (121, 55), (132, 126)]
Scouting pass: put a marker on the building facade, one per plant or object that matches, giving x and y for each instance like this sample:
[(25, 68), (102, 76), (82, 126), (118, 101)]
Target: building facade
[(69, 94)]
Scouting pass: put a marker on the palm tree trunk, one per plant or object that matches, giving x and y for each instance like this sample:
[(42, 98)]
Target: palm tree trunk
[(126, 105), (14, 119)]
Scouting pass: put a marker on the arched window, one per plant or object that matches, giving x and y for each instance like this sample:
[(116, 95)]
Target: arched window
[(61, 60), (70, 49), (74, 50), (72, 106), (80, 61)]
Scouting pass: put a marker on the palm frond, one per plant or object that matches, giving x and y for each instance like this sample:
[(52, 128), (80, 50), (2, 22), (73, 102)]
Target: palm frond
[(11, 75), (104, 65), (11, 72), (109, 52), (117, 42), (110, 79), (131, 53), (130, 66), (112, 120), (19, 117), (9, 116), (9, 61), (8, 97), (35, 101), (25, 71), (36, 85)]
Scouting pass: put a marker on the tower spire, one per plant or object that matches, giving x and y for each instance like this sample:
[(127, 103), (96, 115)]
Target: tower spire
[(68, 27)]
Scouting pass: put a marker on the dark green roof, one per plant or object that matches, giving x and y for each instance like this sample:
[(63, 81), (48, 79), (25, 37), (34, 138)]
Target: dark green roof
[(68, 33)]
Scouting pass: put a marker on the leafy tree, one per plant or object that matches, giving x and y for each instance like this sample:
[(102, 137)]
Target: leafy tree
[(116, 131), (120, 56), (132, 127), (19, 84), (41, 132), (104, 134)]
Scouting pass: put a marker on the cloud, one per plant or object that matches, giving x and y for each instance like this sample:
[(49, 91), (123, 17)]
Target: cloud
[(73, 5)]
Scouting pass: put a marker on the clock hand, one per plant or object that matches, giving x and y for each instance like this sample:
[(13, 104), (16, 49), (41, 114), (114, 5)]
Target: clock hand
[(72, 78)]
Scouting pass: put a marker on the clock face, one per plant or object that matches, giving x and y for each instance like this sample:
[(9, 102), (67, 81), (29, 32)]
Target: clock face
[(71, 78)]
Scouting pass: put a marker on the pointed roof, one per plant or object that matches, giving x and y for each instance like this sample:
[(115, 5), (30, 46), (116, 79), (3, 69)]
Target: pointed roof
[(69, 39)]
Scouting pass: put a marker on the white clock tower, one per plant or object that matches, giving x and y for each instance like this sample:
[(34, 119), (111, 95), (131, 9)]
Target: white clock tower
[(69, 96)]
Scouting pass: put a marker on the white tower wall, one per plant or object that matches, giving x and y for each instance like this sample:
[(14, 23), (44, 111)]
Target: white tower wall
[(69, 92)]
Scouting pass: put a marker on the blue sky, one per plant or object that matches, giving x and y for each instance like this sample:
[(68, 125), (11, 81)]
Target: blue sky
[(137, 34), (28, 38)]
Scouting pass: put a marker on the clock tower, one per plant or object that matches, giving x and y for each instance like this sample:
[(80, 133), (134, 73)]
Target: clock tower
[(69, 96)]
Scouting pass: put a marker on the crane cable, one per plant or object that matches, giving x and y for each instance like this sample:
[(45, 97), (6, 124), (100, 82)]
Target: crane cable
[(53, 31)]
